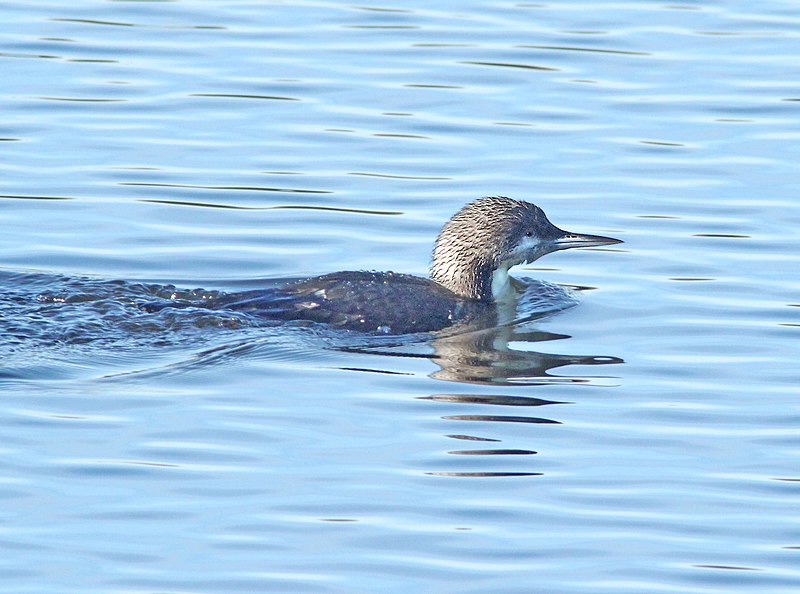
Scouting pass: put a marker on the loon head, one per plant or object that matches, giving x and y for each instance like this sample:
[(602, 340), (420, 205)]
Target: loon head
[(478, 245)]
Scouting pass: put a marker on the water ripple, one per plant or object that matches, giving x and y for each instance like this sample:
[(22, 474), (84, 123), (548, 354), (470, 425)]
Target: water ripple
[(510, 65), (189, 451), (233, 188)]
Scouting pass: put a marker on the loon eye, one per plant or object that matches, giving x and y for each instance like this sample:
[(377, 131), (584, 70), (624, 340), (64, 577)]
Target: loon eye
[(529, 234)]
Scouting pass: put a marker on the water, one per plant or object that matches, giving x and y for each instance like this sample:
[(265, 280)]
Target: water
[(645, 440)]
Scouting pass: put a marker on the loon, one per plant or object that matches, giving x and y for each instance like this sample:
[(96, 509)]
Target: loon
[(468, 276)]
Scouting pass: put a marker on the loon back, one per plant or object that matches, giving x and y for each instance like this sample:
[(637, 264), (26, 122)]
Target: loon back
[(376, 302)]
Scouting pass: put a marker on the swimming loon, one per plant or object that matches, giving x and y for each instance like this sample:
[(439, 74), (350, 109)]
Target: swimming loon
[(469, 276)]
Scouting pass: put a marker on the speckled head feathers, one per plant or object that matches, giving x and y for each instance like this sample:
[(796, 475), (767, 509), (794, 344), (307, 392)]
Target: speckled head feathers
[(484, 235), (478, 245)]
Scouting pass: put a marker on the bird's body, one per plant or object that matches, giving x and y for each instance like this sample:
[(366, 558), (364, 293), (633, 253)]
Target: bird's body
[(378, 302), (469, 276)]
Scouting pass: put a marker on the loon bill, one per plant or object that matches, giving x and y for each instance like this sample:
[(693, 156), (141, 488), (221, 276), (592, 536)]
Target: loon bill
[(469, 275)]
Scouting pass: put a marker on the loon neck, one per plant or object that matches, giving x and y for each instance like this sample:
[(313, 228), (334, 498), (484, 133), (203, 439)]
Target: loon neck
[(479, 280), (502, 289)]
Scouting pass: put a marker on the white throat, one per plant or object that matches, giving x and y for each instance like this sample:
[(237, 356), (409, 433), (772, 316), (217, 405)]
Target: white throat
[(502, 289)]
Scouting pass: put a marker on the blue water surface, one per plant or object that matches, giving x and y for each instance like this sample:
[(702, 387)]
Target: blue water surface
[(644, 440)]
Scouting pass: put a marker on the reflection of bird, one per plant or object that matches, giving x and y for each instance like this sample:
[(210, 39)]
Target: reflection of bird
[(469, 273), (506, 355)]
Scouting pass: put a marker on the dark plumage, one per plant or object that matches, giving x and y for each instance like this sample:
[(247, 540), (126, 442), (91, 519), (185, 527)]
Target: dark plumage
[(380, 302)]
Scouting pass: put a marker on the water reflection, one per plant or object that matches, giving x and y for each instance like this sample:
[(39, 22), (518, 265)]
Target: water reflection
[(497, 355), (487, 357), (485, 420), (501, 356)]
